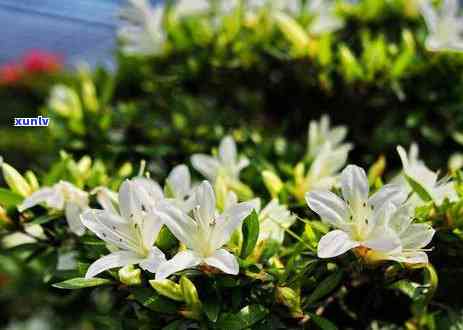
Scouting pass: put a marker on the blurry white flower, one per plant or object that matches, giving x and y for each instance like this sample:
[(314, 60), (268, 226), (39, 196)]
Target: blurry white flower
[(204, 233), (415, 169), (274, 219), (325, 19), (361, 221), (227, 163), (133, 229), (62, 196), (445, 26), (320, 132), (324, 171), (142, 33)]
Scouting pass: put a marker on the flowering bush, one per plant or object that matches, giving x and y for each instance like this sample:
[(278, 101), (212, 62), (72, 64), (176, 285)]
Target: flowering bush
[(189, 194)]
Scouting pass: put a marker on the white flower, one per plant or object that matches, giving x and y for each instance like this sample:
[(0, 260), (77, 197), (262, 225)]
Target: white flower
[(227, 163), (133, 229), (325, 19), (414, 168), (62, 196), (413, 238), (142, 33), (445, 26), (274, 219), (204, 233), (320, 132), (361, 221)]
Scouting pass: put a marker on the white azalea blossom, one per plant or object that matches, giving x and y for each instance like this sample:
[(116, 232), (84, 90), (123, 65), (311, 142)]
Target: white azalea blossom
[(204, 232), (274, 219), (415, 169), (445, 26), (320, 133), (360, 220), (414, 237), (142, 32), (325, 18), (227, 163), (133, 229), (62, 196)]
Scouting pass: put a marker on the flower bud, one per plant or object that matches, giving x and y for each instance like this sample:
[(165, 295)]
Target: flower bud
[(168, 288), (190, 295), (129, 275), (293, 31), (15, 181), (272, 182), (290, 299), (243, 192), (89, 97), (32, 180), (65, 101)]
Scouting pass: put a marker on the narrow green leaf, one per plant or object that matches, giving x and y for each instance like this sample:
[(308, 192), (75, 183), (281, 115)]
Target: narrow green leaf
[(44, 219), (419, 189), (80, 282), (154, 301), (325, 287), (250, 234)]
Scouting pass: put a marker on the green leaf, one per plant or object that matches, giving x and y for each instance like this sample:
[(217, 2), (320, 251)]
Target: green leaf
[(80, 282), (419, 189), (9, 198), (44, 219), (244, 319), (325, 287), (211, 306), (154, 301), (323, 323), (250, 234)]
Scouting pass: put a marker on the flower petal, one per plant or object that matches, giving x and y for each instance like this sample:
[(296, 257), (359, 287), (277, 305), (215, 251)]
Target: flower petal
[(206, 165), (182, 260), (227, 151), (107, 199), (225, 261), (415, 257), (110, 228), (335, 243), (390, 193), (382, 239), (112, 260), (179, 223), (73, 212), (205, 203), (153, 261), (354, 184), (228, 221), (417, 236), (179, 181), (331, 209), (43, 195)]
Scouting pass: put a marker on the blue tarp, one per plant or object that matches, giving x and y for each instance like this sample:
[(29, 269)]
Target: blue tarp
[(80, 30)]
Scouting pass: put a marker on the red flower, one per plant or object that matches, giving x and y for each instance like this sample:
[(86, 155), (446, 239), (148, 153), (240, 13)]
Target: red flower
[(10, 73), (37, 61)]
